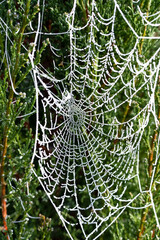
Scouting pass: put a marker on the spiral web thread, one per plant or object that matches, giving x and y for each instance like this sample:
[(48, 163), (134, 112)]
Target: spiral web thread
[(88, 157)]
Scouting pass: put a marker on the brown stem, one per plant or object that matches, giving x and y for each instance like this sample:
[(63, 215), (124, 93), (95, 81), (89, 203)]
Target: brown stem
[(144, 34), (2, 172), (145, 28), (152, 153), (6, 129), (3, 187), (143, 219), (151, 161), (85, 11)]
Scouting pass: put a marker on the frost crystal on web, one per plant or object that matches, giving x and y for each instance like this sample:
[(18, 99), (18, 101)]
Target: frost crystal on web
[(88, 152)]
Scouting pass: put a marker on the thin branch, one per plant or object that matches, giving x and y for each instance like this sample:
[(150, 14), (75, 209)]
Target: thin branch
[(6, 128)]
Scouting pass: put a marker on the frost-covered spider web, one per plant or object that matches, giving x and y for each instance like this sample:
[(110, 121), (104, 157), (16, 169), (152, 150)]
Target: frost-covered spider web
[(91, 120)]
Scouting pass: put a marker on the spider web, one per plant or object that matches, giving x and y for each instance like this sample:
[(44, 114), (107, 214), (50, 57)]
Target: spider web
[(88, 155)]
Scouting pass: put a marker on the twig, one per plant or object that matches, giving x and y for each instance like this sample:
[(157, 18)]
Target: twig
[(6, 129)]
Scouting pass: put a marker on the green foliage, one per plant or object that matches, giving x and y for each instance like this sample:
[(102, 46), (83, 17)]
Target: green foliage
[(15, 112)]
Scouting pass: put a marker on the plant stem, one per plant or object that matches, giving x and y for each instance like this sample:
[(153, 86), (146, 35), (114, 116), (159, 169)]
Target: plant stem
[(143, 219), (150, 161), (154, 138), (3, 184), (6, 128), (2, 172), (85, 11)]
